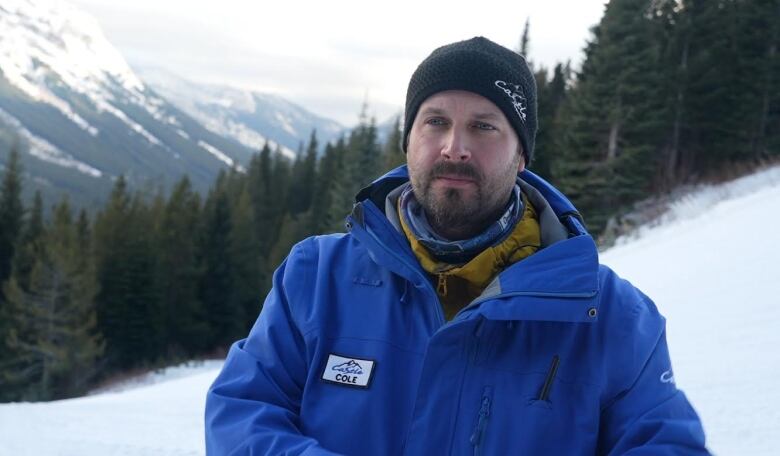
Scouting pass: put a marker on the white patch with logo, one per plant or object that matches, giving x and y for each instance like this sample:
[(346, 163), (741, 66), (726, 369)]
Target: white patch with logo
[(348, 371)]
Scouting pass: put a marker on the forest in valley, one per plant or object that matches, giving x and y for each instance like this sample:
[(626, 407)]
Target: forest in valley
[(670, 93)]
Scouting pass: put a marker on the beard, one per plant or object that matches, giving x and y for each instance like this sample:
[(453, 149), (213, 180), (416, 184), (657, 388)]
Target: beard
[(461, 213)]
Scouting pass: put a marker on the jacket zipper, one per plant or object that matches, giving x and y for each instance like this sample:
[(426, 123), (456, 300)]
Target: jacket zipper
[(544, 394), (427, 284), (477, 437)]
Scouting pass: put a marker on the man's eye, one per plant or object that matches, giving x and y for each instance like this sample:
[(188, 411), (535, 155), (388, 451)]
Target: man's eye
[(435, 121), (484, 126)]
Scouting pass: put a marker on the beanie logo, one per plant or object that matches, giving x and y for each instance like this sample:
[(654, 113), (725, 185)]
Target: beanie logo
[(515, 93)]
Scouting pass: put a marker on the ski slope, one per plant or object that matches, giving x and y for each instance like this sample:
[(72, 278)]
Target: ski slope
[(711, 267)]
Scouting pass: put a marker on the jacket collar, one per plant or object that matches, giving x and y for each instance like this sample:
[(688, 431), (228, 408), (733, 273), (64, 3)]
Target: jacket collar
[(559, 282)]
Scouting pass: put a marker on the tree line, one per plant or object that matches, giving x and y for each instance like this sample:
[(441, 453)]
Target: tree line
[(155, 279), (670, 92)]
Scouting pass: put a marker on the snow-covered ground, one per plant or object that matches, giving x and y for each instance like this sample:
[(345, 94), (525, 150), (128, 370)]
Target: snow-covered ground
[(712, 268)]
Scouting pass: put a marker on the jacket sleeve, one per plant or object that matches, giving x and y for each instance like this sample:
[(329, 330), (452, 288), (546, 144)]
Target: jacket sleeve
[(253, 406), (650, 416)]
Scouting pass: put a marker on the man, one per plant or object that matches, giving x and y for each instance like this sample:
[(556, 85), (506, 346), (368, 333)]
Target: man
[(464, 312)]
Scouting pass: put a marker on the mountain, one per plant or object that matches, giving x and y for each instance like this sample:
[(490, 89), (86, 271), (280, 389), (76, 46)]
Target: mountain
[(249, 117), (81, 116)]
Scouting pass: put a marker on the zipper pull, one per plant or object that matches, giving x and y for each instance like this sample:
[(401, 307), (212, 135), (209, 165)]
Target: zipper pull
[(441, 288), (484, 413)]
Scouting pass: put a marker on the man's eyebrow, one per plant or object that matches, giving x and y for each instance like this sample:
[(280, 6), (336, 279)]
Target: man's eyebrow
[(486, 116), (432, 110), (478, 116)]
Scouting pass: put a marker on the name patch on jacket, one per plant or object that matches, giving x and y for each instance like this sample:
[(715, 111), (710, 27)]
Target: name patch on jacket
[(348, 371)]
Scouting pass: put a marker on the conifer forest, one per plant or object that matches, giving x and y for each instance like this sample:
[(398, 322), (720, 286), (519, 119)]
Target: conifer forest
[(671, 92)]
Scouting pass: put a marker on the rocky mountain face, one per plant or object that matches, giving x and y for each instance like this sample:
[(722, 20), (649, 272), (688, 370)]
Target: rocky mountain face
[(249, 117), (81, 116)]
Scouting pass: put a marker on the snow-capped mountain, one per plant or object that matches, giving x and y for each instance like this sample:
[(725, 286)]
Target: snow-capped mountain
[(252, 118), (81, 116)]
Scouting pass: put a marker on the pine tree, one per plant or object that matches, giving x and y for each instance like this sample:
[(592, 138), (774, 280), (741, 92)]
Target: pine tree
[(321, 217), (11, 219), (53, 342), (525, 39), (303, 176), (392, 154), (616, 116), (128, 304), (550, 95), (224, 313), (247, 289), (179, 268), (11, 213), (30, 243), (340, 188)]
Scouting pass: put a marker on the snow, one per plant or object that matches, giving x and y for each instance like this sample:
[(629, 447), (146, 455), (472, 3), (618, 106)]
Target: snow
[(221, 156), (164, 417), (714, 275), (710, 267), (44, 150)]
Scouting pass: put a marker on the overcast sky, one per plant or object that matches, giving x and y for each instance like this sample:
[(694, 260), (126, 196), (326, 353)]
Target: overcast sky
[(329, 56)]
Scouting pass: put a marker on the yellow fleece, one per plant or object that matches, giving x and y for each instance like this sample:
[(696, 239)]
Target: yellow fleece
[(458, 285)]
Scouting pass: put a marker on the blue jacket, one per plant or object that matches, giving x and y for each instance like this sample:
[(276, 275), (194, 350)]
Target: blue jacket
[(351, 355)]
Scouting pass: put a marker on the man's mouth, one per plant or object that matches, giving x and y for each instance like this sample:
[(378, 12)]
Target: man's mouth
[(454, 179)]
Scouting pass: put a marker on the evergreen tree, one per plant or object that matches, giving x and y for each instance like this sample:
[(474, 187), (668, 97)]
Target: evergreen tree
[(128, 305), (616, 115), (11, 219), (525, 39), (321, 216), (303, 175), (224, 313), (11, 213), (247, 285), (550, 95), (53, 342), (392, 153), (30, 244), (340, 188), (179, 268)]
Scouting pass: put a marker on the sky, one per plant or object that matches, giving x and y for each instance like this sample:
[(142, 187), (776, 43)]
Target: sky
[(329, 56)]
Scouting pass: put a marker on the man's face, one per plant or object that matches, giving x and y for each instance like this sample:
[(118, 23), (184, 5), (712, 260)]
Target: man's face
[(463, 158)]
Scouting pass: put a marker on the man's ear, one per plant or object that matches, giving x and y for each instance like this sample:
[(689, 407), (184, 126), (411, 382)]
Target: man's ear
[(521, 164)]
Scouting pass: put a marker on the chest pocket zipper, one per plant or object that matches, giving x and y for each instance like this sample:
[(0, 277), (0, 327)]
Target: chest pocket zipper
[(478, 435)]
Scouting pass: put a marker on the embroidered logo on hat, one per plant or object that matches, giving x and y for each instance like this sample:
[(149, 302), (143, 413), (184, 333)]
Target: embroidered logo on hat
[(348, 371), (514, 92)]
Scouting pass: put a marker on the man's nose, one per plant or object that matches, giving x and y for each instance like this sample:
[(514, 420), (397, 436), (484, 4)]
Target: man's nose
[(456, 146)]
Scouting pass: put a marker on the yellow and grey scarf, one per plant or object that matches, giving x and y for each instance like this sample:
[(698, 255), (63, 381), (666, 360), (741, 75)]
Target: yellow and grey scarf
[(459, 284)]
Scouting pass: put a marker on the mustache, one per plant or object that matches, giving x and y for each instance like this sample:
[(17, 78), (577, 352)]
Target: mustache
[(455, 169)]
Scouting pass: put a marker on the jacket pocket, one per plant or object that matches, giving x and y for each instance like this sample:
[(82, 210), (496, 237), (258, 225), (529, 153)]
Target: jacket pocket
[(478, 436), (544, 393)]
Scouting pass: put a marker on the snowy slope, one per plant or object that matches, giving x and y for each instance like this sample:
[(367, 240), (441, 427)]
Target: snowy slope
[(711, 268), (714, 272), (161, 418)]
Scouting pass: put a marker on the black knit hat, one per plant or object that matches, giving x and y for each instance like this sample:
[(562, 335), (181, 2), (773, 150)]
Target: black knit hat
[(481, 66)]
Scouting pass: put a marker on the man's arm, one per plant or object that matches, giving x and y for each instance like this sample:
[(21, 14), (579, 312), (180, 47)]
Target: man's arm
[(253, 406), (649, 415)]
